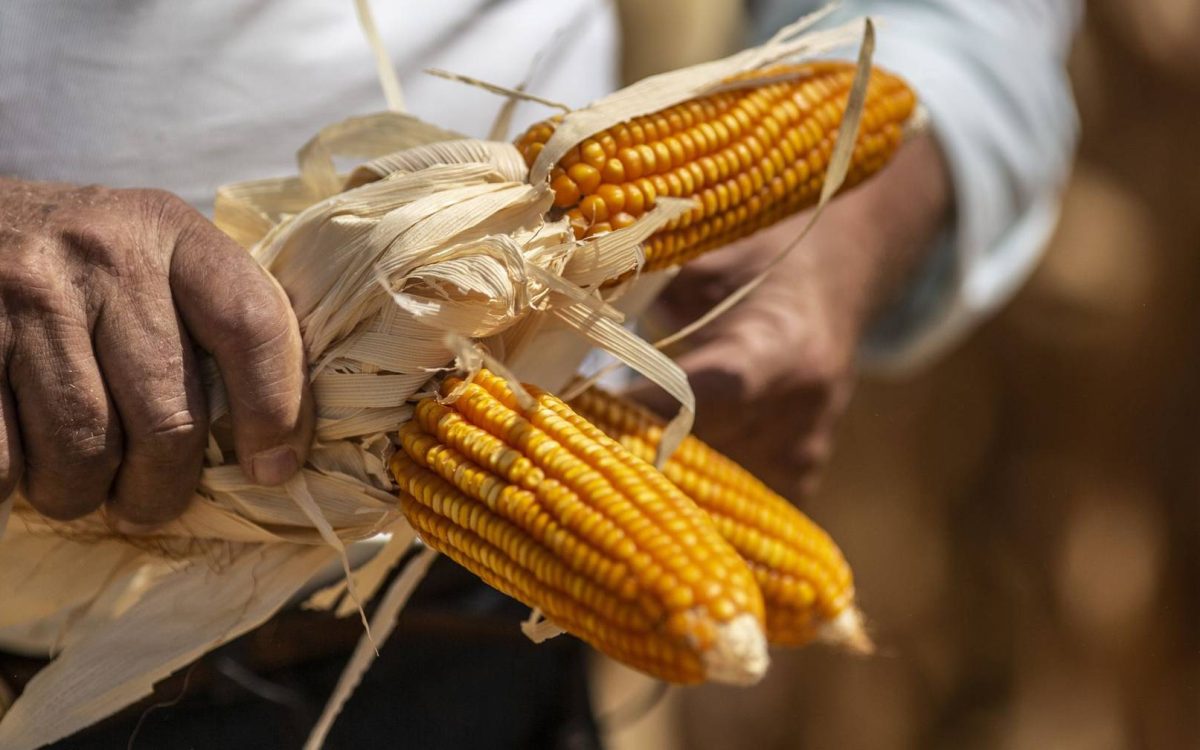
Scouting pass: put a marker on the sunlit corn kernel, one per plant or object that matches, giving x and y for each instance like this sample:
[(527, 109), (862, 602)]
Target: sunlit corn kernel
[(662, 156), (710, 136), (722, 133), (755, 145), (635, 202), (613, 197), (648, 190), (675, 149), (592, 153), (585, 176), (674, 184), (661, 186), (631, 161), (613, 172), (622, 219), (623, 136), (689, 146), (566, 192), (723, 197), (708, 166), (735, 192), (731, 124), (649, 159)]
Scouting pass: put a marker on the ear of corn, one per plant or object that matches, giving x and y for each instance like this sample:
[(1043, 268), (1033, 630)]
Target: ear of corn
[(749, 157), (548, 509), (806, 584)]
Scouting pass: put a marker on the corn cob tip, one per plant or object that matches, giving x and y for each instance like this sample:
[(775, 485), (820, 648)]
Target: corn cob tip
[(848, 631), (739, 654)]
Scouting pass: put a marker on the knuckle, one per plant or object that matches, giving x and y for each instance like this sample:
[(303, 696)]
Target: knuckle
[(155, 200), (828, 359), (13, 239), (173, 439), (78, 440), (170, 214), (813, 452), (74, 480), (815, 383), (87, 452), (29, 285), (812, 447), (95, 246), (257, 323)]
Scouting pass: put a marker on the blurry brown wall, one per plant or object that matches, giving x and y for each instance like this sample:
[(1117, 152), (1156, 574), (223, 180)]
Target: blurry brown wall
[(1024, 517)]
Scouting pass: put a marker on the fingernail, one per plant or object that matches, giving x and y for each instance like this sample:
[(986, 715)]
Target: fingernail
[(129, 528), (274, 466)]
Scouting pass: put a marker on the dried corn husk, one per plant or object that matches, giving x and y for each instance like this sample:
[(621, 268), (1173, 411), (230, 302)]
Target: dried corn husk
[(434, 241)]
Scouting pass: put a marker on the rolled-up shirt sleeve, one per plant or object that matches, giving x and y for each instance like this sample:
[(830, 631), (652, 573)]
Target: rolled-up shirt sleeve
[(991, 75)]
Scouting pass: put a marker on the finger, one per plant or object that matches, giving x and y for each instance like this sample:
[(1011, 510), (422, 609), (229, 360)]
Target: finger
[(11, 457), (236, 311), (815, 448), (715, 374), (705, 281), (69, 429), (150, 367), (701, 285)]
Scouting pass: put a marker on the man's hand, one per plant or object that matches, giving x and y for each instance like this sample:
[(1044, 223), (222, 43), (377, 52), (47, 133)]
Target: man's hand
[(105, 296), (775, 372)]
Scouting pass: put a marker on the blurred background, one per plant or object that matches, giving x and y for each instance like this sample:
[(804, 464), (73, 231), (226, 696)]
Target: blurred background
[(1024, 516)]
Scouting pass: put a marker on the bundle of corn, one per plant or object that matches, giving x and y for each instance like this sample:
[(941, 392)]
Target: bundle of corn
[(442, 253)]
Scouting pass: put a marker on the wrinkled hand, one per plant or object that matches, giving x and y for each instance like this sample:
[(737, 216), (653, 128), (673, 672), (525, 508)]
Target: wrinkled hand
[(105, 296), (774, 373)]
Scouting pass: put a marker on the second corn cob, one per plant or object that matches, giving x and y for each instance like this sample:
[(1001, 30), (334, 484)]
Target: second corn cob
[(548, 509), (748, 157), (807, 586)]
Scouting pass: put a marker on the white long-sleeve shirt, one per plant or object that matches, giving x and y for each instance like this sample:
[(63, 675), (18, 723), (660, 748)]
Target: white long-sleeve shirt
[(991, 74), (189, 96)]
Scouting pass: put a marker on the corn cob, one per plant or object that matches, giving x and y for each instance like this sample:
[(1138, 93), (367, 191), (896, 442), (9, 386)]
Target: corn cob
[(749, 157), (546, 508), (807, 585)]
